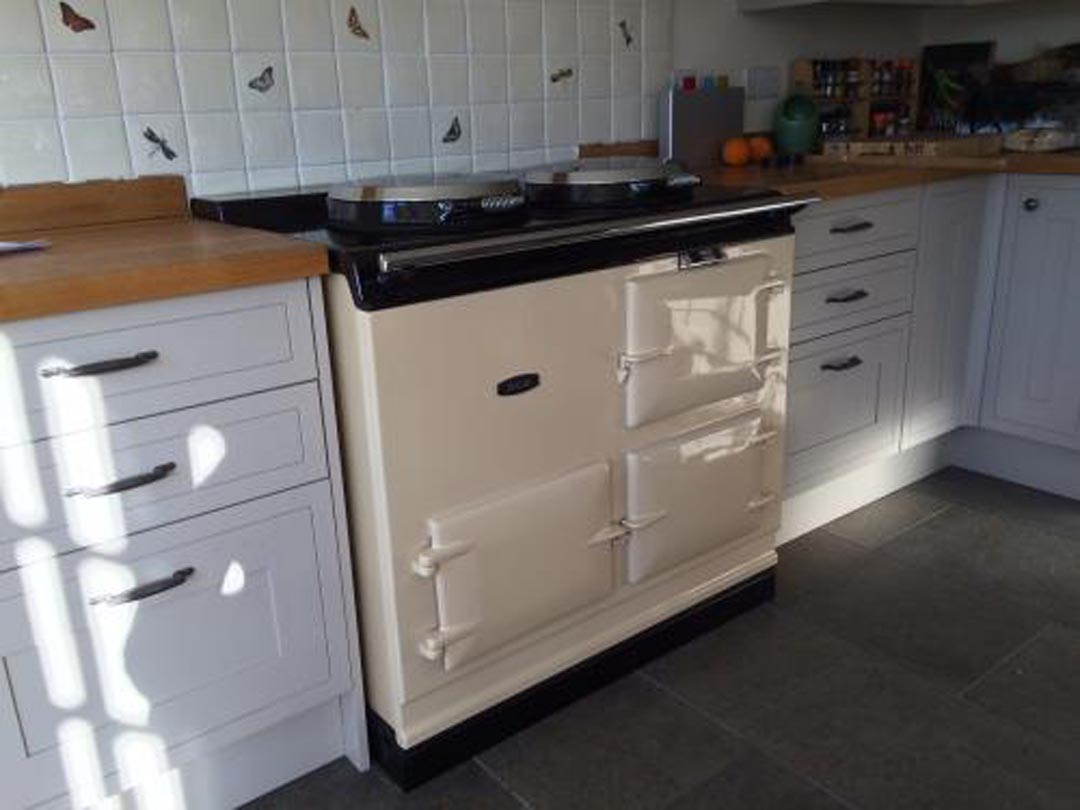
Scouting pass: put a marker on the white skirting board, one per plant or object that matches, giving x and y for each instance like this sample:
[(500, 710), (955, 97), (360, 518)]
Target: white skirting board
[(814, 506), (1022, 461)]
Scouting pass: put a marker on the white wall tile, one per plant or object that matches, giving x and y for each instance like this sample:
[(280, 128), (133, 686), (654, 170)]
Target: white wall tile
[(200, 25), (345, 38), (596, 121), (595, 79), (453, 164), (86, 84), (206, 81), (148, 83), (26, 87), (446, 26), (561, 154), (252, 67), (560, 27), (370, 168), (561, 121), (268, 139), (526, 125), (230, 182), (491, 127), (410, 133), (629, 13), (526, 78), (32, 152), (139, 25), (626, 119), (323, 175), (487, 26), (419, 166), (650, 117), (449, 80), (406, 80), (626, 77), (307, 25), (149, 158), (658, 25), (491, 162), (270, 179), (596, 26), (442, 122), (256, 25), (313, 81), (59, 37), (21, 31), (528, 158), (361, 80), (658, 70), (402, 25), (488, 78), (367, 135), (320, 137), (525, 26), (215, 142)]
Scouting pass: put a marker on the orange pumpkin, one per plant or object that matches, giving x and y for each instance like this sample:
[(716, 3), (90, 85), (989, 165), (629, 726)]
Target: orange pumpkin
[(761, 148), (736, 151)]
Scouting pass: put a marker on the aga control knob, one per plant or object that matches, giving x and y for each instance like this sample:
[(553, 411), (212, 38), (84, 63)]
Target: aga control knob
[(1031, 204)]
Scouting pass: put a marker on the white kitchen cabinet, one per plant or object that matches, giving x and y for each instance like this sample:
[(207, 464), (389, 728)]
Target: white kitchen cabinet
[(1033, 381), (949, 256)]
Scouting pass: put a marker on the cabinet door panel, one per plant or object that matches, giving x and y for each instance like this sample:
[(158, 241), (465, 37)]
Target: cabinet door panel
[(950, 246), (1034, 381)]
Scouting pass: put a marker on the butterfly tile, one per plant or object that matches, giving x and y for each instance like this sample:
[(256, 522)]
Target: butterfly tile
[(355, 24), (445, 26), (75, 25), (626, 29), (26, 87), (255, 25), (450, 131), (561, 77), (21, 31), (200, 25), (85, 84), (206, 81), (148, 83), (32, 152), (261, 81), (139, 25), (158, 144)]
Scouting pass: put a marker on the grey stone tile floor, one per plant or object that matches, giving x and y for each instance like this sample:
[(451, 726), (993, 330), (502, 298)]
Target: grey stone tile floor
[(923, 652)]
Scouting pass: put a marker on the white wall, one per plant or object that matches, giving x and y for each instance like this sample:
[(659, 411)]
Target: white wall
[(75, 105), (1020, 28), (712, 35)]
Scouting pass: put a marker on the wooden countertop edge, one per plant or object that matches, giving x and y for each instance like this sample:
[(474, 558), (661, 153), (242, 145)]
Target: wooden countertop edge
[(36, 298)]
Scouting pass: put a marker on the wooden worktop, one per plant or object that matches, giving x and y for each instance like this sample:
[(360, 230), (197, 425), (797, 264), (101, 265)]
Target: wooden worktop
[(835, 180), (121, 242)]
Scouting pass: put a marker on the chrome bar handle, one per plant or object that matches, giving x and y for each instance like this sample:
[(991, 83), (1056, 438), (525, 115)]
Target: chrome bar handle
[(123, 484), (101, 366), (140, 592)]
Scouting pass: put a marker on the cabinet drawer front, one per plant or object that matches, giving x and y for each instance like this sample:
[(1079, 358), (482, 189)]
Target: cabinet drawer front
[(74, 372), (856, 228), (702, 335), (245, 623), (844, 398), (851, 295), (165, 468), (520, 561), (697, 493)]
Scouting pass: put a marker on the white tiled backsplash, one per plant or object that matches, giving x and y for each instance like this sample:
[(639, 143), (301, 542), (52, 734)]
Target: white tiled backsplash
[(251, 94)]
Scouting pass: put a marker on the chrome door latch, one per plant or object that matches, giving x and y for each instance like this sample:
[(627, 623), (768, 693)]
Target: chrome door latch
[(627, 361)]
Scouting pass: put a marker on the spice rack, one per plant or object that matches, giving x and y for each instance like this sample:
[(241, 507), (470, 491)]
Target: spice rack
[(860, 98)]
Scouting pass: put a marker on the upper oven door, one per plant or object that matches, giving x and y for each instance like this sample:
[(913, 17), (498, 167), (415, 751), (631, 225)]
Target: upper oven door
[(697, 330)]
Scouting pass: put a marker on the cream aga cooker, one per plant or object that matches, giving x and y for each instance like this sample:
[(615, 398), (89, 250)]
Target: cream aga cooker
[(562, 405)]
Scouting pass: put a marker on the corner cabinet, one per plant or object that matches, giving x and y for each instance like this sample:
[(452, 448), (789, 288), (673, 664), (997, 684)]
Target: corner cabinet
[(1033, 380), (951, 233)]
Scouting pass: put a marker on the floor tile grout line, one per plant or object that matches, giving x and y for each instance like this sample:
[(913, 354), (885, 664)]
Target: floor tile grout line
[(720, 723), (888, 538), (1010, 655), (502, 783)]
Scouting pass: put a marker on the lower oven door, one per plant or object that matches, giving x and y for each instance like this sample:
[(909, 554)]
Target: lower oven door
[(698, 492), (698, 332), (505, 567)]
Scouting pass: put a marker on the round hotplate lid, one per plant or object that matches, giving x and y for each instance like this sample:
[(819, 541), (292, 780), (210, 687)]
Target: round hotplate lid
[(603, 172), (427, 188)]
